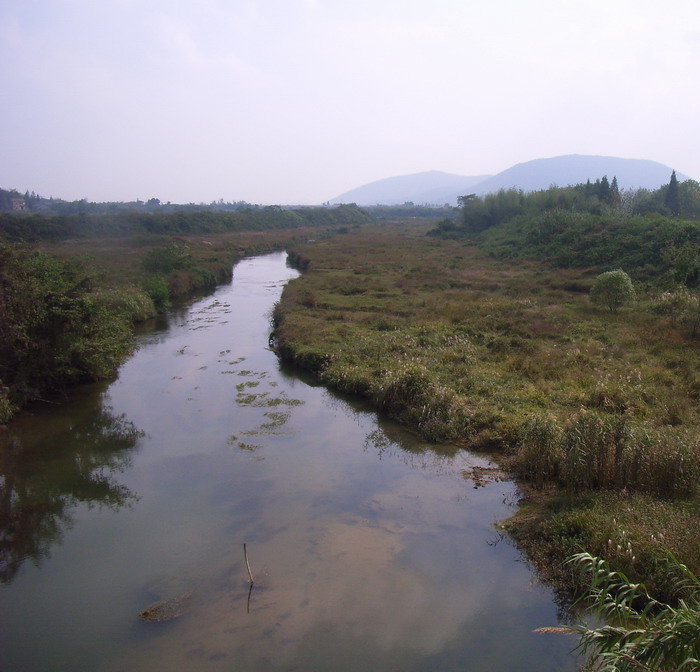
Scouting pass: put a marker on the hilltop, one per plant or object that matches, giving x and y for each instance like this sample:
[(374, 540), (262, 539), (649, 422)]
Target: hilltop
[(438, 188)]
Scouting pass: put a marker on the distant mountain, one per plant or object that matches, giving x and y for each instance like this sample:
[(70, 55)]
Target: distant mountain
[(433, 187), (576, 168)]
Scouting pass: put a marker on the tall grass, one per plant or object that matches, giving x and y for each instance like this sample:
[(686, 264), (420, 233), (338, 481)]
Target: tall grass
[(641, 633), (601, 451)]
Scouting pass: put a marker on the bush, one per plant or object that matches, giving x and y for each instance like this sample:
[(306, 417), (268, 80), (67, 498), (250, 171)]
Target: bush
[(613, 289), (157, 289), (55, 331), (173, 257)]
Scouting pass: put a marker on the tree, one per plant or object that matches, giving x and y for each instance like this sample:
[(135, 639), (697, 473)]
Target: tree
[(673, 199), (613, 289), (614, 192)]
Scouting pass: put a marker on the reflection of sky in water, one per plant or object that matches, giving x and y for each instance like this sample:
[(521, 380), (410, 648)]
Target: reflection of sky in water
[(370, 550)]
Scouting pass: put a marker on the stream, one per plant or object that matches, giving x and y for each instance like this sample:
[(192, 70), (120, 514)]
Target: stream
[(370, 549)]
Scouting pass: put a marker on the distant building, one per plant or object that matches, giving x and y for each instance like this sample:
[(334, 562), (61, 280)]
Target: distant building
[(18, 204)]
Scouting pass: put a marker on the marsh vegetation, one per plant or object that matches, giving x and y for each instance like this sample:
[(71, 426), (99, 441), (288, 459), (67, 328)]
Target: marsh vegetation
[(595, 410)]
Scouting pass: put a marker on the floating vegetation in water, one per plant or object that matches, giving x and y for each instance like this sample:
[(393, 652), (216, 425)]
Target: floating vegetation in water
[(251, 399), (251, 447), (263, 400), (277, 419), (249, 383)]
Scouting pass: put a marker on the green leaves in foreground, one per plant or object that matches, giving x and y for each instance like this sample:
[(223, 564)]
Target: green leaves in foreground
[(641, 633)]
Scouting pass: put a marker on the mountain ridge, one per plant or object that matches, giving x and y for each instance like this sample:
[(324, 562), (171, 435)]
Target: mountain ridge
[(438, 188)]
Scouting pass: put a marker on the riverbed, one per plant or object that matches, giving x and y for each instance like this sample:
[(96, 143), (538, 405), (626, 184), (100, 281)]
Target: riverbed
[(369, 548)]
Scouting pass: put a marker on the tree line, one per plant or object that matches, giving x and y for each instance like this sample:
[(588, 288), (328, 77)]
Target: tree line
[(31, 227), (651, 233)]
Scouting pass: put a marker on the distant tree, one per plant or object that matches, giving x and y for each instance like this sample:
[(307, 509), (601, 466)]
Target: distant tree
[(613, 289), (689, 196), (673, 200), (604, 189), (614, 192)]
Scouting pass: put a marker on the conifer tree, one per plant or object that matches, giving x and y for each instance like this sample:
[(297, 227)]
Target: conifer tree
[(673, 200), (614, 191)]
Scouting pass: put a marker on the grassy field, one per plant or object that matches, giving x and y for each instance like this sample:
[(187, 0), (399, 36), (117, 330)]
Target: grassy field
[(119, 261), (597, 412)]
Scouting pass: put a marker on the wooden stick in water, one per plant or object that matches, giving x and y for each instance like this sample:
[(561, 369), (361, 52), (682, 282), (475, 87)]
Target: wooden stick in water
[(247, 564)]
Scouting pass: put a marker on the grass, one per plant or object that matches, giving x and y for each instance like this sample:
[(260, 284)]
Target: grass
[(119, 261), (513, 357)]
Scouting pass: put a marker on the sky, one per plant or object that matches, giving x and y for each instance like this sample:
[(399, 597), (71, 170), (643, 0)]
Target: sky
[(297, 101)]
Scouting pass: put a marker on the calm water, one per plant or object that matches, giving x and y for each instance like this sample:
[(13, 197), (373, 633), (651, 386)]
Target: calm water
[(370, 550)]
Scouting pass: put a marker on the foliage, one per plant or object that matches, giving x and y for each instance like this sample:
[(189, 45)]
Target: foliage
[(56, 330), (672, 199), (683, 306), (157, 290), (540, 453), (641, 632), (173, 257), (601, 450), (613, 289), (28, 227), (589, 225)]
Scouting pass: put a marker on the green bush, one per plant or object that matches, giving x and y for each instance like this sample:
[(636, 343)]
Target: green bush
[(168, 259), (55, 330), (157, 290), (613, 289)]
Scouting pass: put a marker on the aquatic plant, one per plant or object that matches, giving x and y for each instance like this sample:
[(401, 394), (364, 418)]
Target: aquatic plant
[(639, 633)]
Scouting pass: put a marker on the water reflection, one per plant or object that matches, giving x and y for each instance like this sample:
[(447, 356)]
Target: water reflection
[(369, 547), (48, 465)]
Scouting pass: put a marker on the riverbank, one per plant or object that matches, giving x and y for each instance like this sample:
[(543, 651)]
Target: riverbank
[(362, 538), (514, 358), (69, 307)]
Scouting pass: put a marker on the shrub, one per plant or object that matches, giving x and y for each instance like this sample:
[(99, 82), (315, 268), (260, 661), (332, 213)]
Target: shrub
[(173, 257), (613, 289), (157, 289)]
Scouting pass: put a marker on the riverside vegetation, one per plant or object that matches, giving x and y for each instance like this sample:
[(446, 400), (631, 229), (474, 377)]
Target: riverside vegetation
[(595, 408), (484, 334), (69, 299)]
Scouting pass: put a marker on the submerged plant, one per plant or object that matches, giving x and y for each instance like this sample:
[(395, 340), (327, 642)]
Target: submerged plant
[(641, 633)]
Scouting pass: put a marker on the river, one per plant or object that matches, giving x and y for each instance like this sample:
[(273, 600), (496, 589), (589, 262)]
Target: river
[(370, 549)]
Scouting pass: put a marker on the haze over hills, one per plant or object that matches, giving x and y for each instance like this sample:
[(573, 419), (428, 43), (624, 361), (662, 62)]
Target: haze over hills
[(429, 187), (437, 188)]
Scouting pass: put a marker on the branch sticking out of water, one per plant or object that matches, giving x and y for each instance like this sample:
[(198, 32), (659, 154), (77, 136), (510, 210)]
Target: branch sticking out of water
[(247, 564)]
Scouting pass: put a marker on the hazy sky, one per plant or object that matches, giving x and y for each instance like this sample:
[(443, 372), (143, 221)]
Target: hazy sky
[(296, 101)]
